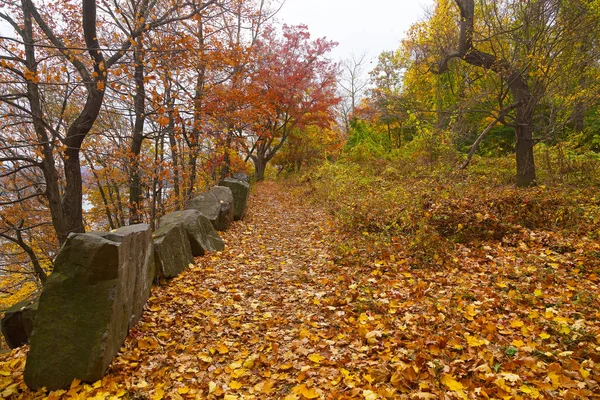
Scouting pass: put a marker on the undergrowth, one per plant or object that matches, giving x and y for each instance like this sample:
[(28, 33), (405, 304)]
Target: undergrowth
[(426, 209)]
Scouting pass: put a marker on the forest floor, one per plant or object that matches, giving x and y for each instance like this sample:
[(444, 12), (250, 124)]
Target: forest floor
[(278, 315)]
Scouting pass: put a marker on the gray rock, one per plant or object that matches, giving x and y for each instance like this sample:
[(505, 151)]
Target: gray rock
[(201, 233), (241, 176), (217, 205), (172, 251), (17, 323), (137, 255), (225, 198), (240, 191), (97, 291), (208, 204)]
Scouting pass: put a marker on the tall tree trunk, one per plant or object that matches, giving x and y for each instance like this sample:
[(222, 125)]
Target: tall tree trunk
[(135, 190), (173, 143), (524, 148), (52, 192)]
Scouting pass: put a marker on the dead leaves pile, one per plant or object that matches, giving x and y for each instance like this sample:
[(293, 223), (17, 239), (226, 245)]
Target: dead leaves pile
[(274, 316)]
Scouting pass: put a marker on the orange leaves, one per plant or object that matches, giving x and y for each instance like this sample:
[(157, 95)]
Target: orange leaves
[(31, 76), (285, 313)]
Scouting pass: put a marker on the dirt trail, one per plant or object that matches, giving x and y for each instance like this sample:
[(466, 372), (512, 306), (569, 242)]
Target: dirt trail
[(247, 321)]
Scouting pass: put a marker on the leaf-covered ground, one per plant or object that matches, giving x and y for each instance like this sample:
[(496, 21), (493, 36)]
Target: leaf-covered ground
[(279, 315)]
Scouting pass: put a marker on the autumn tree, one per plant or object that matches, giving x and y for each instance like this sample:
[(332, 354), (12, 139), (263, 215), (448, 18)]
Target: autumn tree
[(292, 85), (519, 41)]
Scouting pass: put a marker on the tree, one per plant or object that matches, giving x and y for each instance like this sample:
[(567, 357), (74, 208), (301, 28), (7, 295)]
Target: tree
[(520, 42), (292, 85), (387, 95), (352, 86)]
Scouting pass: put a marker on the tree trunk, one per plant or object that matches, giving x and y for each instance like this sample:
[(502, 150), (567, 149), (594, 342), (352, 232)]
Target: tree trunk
[(524, 149), (225, 167), (52, 192), (259, 168), (135, 190)]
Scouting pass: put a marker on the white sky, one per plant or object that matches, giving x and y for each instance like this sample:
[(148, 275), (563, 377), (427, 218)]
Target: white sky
[(359, 26)]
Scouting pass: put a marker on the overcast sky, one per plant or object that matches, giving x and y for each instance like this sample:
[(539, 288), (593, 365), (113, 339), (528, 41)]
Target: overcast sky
[(359, 26)]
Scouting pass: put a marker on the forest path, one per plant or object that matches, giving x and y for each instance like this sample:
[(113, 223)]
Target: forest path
[(257, 320)]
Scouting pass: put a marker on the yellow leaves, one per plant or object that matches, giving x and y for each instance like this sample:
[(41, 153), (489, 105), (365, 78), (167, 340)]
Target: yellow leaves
[(501, 383), (530, 391), (564, 329), (369, 395), (473, 341), (205, 357), (238, 373), (538, 293), (222, 348), (309, 393), (470, 312), (452, 384), (316, 358), (372, 337), (516, 323), (555, 379), (212, 386), (159, 394), (147, 343), (9, 391), (183, 390), (544, 336), (235, 385)]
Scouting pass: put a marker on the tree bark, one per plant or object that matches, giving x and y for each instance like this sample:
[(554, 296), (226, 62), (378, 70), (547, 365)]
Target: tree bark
[(139, 104)]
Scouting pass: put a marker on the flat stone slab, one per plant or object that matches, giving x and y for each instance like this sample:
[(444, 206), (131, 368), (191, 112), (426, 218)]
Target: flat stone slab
[(96, 293), (200, 232)]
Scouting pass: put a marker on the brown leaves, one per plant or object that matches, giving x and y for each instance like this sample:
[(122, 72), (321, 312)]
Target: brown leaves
[(275, 317)]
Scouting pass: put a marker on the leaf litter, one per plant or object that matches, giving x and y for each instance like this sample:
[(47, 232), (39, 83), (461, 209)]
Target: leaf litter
[(277, 315)]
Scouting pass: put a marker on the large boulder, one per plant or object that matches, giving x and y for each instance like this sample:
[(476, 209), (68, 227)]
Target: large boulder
[(225, 198), (17, 323), (216, 205), (97, 291), (172, 251), (240, 191), (208, 204), (200, 232)]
